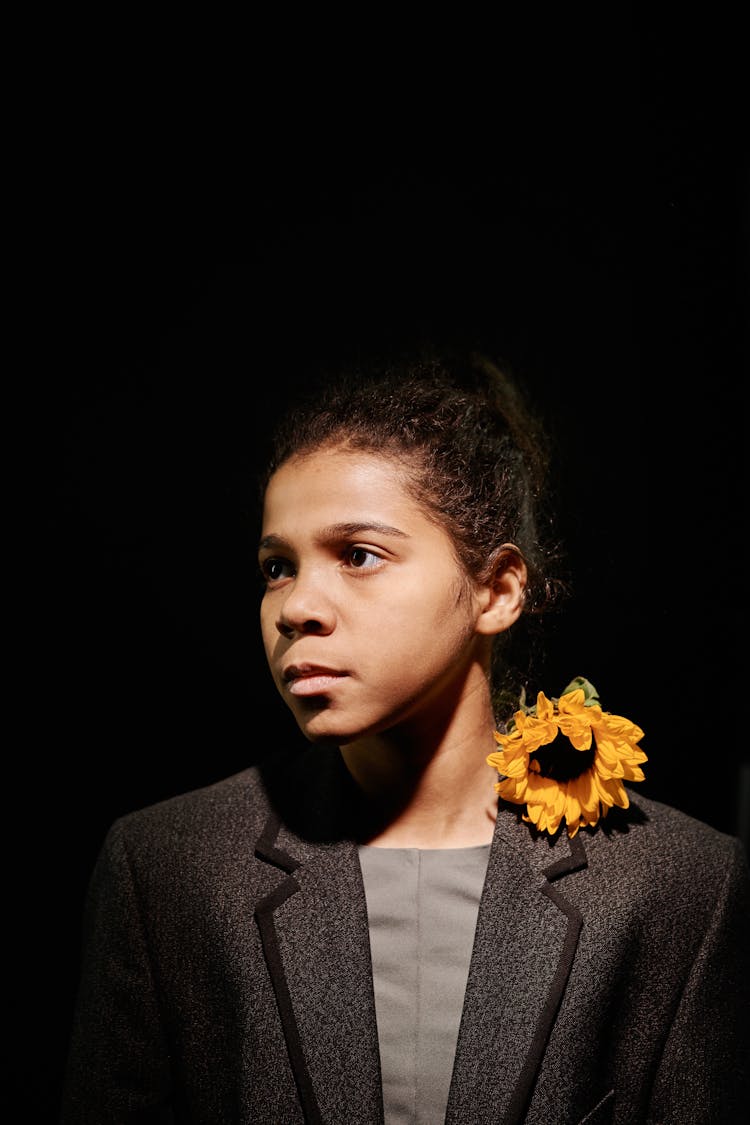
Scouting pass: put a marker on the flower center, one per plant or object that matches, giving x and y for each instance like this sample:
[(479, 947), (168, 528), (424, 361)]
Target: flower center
[(561, 761)]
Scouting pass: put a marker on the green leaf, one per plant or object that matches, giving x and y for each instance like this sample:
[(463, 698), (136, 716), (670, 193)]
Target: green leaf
[(590, 694)]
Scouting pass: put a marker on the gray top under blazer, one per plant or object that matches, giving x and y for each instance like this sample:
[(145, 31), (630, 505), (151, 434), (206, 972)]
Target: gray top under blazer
[(422, 907), (226, 973)]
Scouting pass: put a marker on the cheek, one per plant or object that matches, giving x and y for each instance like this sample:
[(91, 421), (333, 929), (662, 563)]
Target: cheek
[(268, 630), (428, 630), (443, 607)]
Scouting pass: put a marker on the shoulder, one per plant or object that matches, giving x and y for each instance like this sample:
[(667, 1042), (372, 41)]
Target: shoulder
[(662, 861), (222, 817), (217, 827), (651, 853), (651, 830)]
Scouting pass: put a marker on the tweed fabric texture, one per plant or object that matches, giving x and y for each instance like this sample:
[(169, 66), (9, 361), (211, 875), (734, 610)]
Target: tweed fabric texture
[(226, 974)]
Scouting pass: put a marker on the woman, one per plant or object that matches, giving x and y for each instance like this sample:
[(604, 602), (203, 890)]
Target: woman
[(441, 905)]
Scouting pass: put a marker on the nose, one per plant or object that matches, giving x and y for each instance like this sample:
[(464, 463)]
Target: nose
[(305, 610)]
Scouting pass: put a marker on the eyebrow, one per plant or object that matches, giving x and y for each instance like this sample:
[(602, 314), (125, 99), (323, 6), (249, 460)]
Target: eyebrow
[(336, 531)]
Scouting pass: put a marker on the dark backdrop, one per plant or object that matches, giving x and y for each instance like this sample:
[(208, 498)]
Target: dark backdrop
[(602, 256)]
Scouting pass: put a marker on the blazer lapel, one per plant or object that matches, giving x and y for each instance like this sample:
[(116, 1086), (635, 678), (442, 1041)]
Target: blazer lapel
[(315, 939), (525, 942)]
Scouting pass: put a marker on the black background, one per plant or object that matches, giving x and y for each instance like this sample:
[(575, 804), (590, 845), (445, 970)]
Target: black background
[(582, 219)]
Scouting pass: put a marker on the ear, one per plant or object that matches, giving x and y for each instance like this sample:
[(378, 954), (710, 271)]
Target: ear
[(502, 597)]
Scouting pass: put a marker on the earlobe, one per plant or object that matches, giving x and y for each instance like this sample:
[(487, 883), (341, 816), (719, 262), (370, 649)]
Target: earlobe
[(504, 594)]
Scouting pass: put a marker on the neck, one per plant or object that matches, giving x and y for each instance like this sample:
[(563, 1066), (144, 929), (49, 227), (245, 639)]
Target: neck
[(434, 792)]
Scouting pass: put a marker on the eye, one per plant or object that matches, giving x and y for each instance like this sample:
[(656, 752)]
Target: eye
[(274, 569), (361, 558)]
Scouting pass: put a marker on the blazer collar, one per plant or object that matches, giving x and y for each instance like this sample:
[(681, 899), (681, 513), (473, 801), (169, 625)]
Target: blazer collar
[(315, 938)]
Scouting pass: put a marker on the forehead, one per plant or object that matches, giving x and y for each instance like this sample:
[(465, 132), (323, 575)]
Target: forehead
[(339, 476), (335, 485)]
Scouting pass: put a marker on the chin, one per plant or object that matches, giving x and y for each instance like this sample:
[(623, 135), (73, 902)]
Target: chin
[(323, 740), (329, 736), (322, 728)]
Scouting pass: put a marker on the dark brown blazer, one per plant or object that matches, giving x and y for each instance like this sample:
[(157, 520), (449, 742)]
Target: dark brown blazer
[(227, 979)]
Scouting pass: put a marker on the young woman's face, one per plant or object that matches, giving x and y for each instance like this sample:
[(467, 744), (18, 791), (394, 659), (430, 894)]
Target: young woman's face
[(367, 619)]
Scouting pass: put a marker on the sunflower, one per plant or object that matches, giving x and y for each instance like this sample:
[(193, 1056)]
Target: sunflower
[(578, 780)]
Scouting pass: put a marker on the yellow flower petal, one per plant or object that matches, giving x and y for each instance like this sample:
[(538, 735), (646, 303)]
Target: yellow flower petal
[(587, 796), (583, 800)]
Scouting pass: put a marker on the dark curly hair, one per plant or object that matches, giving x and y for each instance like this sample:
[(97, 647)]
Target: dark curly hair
[(474, 456)]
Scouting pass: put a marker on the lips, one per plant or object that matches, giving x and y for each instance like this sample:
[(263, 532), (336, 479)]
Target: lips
[(311, 679)]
